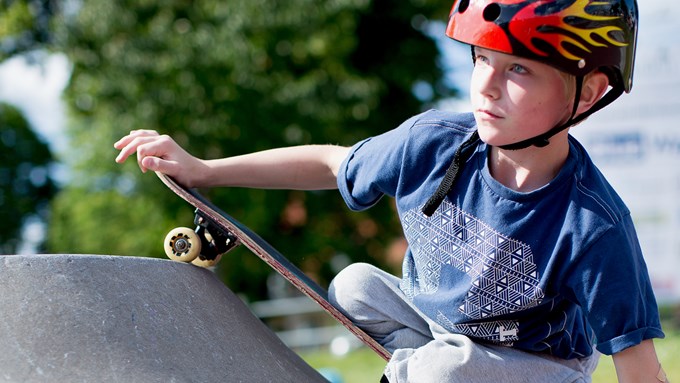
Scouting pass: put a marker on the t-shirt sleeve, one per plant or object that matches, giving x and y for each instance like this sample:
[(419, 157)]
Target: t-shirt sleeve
[(373, 167), (612, 285)]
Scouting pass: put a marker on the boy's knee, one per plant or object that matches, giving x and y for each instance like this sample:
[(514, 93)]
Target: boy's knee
[(350, 287)]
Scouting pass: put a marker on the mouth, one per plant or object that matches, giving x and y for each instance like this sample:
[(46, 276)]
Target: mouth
[(487, 114)]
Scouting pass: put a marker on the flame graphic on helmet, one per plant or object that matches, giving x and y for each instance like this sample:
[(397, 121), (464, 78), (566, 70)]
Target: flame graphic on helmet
[(549, 27)]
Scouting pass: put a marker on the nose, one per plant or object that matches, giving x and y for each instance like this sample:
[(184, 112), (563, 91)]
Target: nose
[(485, 81)]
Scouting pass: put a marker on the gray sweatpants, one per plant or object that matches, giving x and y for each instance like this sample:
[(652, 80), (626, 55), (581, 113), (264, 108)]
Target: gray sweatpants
[(424, 352)]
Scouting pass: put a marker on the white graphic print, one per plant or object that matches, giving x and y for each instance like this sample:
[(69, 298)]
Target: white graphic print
[(499, 332), (503, 275)]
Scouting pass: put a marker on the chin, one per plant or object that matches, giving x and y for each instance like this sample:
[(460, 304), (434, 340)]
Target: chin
[(491, 138)]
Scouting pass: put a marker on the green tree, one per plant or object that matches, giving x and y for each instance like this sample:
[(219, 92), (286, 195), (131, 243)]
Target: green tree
[(24, 25), (225, 78), (25, 184)]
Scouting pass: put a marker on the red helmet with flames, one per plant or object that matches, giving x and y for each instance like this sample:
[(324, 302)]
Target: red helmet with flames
[(575, 36)]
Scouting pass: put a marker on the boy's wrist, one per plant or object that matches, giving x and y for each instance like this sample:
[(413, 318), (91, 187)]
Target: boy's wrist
[(202, 175)]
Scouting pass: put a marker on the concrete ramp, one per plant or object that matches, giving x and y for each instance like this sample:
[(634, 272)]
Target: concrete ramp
[(76, 318)]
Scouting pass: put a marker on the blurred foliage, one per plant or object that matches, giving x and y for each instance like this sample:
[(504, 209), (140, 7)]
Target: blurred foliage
[(24, 25), (25, 184), (225, 78)]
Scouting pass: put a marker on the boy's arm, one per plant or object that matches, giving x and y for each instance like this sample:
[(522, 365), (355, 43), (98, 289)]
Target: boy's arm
[(639, 364), (312, 167)]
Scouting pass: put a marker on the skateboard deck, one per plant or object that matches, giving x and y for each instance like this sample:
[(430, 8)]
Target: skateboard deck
[(217, 233)]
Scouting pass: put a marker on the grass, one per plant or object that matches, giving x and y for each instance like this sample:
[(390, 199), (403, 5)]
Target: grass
[(359, 366), (363, 365)]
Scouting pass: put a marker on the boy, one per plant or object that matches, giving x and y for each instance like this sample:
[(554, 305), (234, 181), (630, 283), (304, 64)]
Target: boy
[(521, 257)]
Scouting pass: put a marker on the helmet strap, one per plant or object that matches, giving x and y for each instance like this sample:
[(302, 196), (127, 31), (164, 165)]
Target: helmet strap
[(543, 140), (462, 154)]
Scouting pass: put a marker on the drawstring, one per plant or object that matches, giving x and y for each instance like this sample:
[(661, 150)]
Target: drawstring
[(463, 153)]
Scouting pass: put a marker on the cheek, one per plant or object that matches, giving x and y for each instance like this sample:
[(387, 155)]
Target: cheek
[(523, 99), (543, 105), (550, 113), (473, 88)]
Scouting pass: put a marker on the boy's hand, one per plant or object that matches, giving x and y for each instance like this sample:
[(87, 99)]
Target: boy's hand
[(161, 153)]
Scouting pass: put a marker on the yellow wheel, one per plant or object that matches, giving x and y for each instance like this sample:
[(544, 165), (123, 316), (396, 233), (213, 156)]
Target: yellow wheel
[(200, 261), (206, 263), (182, 244)]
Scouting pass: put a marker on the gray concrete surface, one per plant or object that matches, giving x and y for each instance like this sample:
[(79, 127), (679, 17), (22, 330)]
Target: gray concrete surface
[(77, 318)]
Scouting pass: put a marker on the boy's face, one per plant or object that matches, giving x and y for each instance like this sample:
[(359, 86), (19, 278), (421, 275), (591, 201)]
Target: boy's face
[(515, 98)]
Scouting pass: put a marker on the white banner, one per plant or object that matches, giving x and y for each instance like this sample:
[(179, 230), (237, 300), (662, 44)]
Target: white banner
[(636, 144)]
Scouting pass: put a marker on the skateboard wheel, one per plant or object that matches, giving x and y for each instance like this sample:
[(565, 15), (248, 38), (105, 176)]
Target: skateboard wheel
[(204, 262), (182, 244)]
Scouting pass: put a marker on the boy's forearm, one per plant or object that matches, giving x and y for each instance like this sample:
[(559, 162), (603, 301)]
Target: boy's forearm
[(312, 167), (638, 364)]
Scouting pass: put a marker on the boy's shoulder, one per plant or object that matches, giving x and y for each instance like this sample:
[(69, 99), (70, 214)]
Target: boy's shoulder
[(436, 128), (593, 186), (465, 122)]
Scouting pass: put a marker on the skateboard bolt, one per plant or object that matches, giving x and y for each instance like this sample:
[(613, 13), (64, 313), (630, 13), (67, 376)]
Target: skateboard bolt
[(181, 245)]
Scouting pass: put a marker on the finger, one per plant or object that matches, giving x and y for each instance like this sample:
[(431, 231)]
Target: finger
[(144, 152), (133, 145), (127, 146), (124, 141), (157, 164), (161, 147)]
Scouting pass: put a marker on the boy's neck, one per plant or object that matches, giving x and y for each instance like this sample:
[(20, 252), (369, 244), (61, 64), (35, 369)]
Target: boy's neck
[(528, 169)]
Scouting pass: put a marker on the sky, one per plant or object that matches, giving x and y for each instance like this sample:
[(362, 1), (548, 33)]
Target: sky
[(36, 91)]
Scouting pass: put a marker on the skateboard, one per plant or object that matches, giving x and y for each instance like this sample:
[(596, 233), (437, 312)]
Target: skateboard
[(217, 233)]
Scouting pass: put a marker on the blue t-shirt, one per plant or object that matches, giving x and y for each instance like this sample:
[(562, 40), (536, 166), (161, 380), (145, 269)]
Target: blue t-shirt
[(556, 270)]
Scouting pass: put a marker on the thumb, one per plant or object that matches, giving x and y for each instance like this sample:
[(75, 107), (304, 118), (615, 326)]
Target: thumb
[(157, 164)]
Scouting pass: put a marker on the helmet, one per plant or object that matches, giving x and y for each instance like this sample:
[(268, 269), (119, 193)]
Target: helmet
[(575, 36)]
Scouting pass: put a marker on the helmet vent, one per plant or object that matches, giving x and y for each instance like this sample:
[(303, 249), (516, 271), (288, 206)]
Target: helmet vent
[(575, 36), (463, 5), (492, 12)]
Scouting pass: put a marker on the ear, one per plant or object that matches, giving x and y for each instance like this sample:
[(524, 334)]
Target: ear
[(595, 85)]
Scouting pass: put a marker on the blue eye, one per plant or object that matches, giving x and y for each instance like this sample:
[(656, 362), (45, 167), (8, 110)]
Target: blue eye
[(519, 69), (481, 58)]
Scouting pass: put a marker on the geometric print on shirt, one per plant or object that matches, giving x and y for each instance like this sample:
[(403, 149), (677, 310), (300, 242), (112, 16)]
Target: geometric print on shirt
[(500, 332), (504, 278)]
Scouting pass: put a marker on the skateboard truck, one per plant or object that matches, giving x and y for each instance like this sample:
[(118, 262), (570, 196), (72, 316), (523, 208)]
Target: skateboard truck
[(215, 241), (203, 246)]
